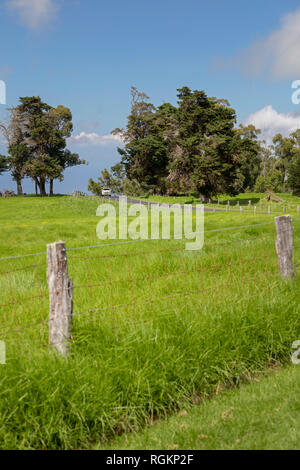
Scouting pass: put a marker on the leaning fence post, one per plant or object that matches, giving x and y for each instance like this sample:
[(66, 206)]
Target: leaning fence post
[(60, 296), (284, 245)]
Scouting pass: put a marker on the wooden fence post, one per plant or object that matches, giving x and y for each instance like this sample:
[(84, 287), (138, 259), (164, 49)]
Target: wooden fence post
[(60, 296), (298, 209), (284, 245)]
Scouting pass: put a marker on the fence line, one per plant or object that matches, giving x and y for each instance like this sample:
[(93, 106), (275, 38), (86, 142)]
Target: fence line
[(167, 274), (132, 254), (207, 245), (166, 297), (144, 302), (181, 268), (6, 258), (215, 207), (23, 269)]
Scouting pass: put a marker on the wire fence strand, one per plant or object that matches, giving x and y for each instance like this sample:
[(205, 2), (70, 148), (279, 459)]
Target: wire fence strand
[(147, 277)]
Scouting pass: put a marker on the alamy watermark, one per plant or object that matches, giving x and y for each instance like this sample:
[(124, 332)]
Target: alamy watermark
[(296, 94), (2, 92), (138, 222), (296, 354)]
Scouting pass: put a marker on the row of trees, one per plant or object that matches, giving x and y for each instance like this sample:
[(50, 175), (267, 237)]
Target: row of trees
[(194, 147), (36, 135)]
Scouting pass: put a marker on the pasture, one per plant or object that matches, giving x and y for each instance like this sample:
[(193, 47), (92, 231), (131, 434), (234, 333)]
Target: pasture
[(156, 328)]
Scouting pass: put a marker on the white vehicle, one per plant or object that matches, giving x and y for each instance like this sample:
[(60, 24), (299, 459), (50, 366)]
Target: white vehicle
[(106, 192)]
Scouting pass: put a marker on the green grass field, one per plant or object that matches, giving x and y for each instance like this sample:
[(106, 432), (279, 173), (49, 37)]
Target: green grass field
[(264, 414), (155, 327)]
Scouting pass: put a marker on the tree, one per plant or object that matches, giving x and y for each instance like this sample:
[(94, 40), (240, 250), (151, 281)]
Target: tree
[(205, 150), (46, 130), (36, 137), (284, 150), (60, 124), (191, 147), (114, 180), (118, 175), (249, 152), (187, 148), (3, 164), (145, 154), (270, 176), (146, 160), (104, 181), (18, 153), (18, 156), (294, 176)]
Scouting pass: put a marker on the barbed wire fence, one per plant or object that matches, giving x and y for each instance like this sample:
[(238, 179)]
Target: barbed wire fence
[(243, 207), (125, 282)]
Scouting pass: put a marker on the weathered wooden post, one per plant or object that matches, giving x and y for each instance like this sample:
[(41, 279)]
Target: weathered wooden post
[(255, 209), (284, 245), (60, 296), (269, 210), (298, 209)]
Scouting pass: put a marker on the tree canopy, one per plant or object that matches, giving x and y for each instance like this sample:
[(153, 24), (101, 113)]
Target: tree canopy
[(3, 163), (191, 147), (36, 136)]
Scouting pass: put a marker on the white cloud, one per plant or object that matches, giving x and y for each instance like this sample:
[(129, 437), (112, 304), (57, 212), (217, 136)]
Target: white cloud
[(271, 122), (95, 139), (278, 53), (33, 13)]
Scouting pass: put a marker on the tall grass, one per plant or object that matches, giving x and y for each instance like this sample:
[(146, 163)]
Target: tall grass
[(156, 330)]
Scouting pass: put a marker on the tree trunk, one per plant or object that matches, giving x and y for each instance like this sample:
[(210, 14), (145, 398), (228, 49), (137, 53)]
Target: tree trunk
[(51, 188), (36, 187), (42, 185), (204, 198), (19, 187)]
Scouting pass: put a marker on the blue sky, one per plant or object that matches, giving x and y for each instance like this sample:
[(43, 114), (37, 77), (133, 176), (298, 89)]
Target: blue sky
[(86, 54)]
